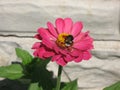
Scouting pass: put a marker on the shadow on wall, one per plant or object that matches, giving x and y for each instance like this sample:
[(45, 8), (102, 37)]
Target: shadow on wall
[(12, 85)]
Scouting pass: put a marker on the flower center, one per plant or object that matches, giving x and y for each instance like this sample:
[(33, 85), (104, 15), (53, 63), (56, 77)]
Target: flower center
[(64, 40)]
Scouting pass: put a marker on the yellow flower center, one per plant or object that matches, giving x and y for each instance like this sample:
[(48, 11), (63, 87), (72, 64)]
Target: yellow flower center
[(64, 40)]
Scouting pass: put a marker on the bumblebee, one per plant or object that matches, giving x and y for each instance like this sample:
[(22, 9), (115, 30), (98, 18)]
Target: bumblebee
[(69, 40)]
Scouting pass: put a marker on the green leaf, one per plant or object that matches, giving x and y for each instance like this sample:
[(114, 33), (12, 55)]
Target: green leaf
[(24, 56), (115, 86), (35, 86), (13, 71), (71, 86), (36, 63), (43, 63), (38, 73)]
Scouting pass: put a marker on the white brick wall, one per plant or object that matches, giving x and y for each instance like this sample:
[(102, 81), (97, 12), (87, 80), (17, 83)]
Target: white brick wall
[(19, 20)]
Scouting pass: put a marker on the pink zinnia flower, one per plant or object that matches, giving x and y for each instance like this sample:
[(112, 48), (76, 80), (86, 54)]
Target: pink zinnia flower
[(63, 43)]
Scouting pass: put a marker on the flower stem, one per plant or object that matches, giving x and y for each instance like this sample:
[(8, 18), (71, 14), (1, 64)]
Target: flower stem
[(59, 77)]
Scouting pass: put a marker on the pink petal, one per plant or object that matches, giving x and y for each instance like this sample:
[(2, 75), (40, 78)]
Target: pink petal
[(56, 48), (55, 57), (47, 39), (38, 36), (83, 45), (75, 52), (43, 33), (52, 29), (48, 54), (68, 58), (41, 52), (81, 36), (48, 43), (61, 62), (87, 55), (84, 42), (35, 53), (79, 58), (77, 27), (63, 51), (36, 45), (60, 25), (68, 25)]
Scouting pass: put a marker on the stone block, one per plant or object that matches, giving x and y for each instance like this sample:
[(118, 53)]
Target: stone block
[(7, 52), (22, 18), (102, 70)]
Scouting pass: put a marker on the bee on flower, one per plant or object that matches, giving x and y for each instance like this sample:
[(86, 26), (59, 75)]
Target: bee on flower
[(64, 42)]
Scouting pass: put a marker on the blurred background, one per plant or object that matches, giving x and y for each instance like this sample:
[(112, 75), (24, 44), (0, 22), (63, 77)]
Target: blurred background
[(19, 20)]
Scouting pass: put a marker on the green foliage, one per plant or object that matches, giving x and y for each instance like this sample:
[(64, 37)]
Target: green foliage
[(115, 86), (37, 72), (24, 56), (13, 71), (33, 73), (71, 86), (35, 86)]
